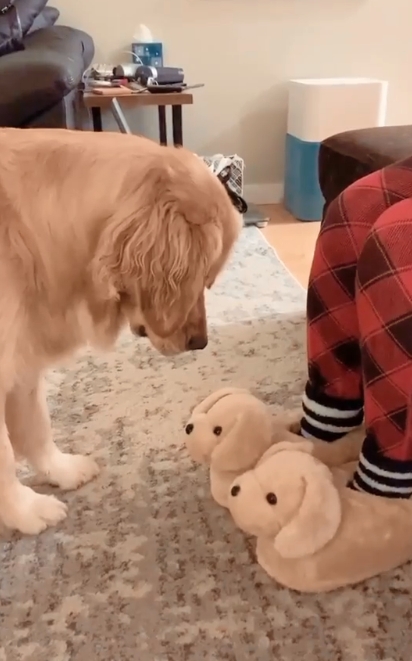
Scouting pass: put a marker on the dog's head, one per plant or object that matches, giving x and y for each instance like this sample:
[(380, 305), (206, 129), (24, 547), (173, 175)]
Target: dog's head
[(167, 241)]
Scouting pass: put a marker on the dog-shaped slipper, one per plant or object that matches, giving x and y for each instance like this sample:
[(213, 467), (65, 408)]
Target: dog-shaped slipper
[(313, 533), (231, 429)]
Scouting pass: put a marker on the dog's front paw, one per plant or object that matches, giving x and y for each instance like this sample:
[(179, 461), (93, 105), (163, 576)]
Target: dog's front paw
[(68, 471), (29, 512)]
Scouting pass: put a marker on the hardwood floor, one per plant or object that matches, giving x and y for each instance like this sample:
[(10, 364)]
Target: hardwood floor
[(294, 241)]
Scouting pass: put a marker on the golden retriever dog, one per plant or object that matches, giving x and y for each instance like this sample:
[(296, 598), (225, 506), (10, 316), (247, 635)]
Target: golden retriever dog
[(97, 232)]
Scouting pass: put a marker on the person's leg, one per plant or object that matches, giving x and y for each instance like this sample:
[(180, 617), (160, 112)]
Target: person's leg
[(384, 310), (373, 518), (333, 399)]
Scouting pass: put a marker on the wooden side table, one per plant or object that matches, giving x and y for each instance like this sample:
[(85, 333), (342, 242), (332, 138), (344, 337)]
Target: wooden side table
[(115, 102)]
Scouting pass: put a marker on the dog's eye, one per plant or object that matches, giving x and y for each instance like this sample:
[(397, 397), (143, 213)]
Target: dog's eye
[(217, 431), (189, 428), (271, 498)]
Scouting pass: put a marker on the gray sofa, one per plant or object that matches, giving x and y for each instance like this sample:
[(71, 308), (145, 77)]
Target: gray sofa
[(39, 82)]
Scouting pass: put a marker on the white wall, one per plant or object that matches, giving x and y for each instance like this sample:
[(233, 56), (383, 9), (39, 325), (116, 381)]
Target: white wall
[(246, 50)]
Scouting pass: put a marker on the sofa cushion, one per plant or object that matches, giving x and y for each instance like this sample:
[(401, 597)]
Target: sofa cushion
[(45, 19), (16, 19), (36, 79)]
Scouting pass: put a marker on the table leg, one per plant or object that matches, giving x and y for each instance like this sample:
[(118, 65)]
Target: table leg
[(97, 119), (121, 120), (177, 126), (162, 125)]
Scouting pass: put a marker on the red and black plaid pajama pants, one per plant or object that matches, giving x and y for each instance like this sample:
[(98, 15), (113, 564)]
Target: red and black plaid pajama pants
[(359, 333)]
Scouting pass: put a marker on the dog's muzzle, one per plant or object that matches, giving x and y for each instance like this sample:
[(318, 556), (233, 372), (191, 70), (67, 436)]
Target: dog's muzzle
[(194, 343)]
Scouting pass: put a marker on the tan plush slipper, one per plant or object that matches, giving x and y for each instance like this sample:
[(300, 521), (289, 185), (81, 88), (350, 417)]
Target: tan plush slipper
[(314, 534), (231, 429)]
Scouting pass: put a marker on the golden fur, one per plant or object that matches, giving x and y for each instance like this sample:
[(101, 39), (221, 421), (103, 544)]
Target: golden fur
[(97, 231)]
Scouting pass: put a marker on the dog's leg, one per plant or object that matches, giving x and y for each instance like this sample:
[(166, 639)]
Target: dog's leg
[(21, 508), (28, 422)]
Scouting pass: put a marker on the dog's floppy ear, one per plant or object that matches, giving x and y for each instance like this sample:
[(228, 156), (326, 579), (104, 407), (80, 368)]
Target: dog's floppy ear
[(211, 400), (318, 518), (149, 248)]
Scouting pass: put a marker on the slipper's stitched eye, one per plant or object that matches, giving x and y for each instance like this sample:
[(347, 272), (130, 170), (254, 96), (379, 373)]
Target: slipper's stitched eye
[(271, 498), (189, 428), (217, 431)]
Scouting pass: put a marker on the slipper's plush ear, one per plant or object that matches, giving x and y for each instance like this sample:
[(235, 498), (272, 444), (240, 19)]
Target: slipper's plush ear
[(243, 444), (318, 517), (215, 397)]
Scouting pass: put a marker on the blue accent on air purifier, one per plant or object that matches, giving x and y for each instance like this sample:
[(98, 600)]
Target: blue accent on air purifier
[(303, 197), (150, 53)]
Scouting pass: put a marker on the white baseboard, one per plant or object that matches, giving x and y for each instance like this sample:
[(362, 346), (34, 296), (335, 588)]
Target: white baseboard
[(264, 193)]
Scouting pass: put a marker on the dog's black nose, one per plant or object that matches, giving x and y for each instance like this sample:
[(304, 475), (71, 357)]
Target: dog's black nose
[(189, 428), (141, 331), (235, 491), (196, 343)]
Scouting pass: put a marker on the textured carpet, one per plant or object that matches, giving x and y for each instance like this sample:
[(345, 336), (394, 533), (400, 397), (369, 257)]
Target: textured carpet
[(146, 567)]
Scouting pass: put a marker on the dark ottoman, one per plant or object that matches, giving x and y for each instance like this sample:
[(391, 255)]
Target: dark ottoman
[(346, 157)]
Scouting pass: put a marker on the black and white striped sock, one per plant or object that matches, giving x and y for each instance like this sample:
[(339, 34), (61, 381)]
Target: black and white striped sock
[(380, 475), (329, 418)]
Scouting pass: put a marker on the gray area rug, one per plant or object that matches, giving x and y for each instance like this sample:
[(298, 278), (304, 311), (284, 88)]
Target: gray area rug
[(147, 567)]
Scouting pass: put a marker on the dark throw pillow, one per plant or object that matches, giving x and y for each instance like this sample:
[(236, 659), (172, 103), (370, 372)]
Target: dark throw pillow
[(11, 34), (46, 19), (16, 19)]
